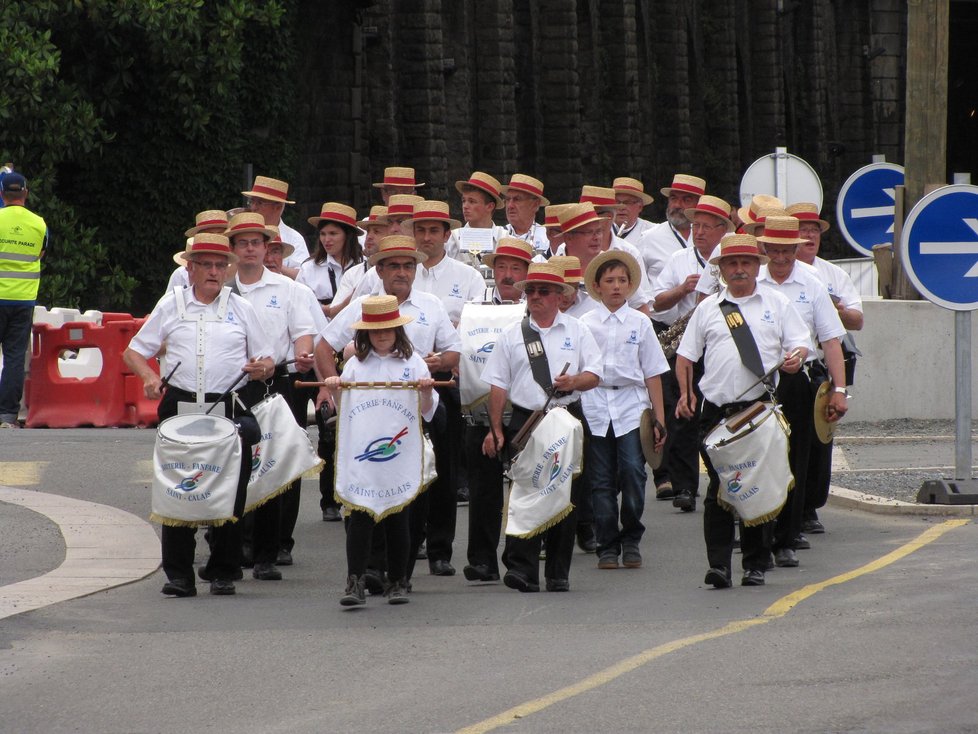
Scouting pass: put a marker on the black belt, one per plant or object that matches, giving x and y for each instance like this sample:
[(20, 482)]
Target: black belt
[(729, 409)]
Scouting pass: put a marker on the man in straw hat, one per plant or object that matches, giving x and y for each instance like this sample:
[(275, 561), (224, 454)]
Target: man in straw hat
[(433, 337), (555, 236), (524, 197), (676, 296), (630, 195), (481, 196), (659, 242), (235, 342), (268, 197), (213, 221), (284, 315), (811, 299), (399, 209), (509, 373), (397, 180), (848, 303), (777, 330)]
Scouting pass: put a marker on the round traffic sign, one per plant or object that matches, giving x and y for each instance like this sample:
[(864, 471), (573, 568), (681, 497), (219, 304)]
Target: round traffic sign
[(865, 208), (939, 247), (801, 182)]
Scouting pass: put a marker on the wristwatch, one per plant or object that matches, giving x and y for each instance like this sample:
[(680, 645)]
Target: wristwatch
[(842, 391)]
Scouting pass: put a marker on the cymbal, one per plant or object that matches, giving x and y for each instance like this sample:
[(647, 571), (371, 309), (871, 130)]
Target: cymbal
[(647, 437), (824, 429)]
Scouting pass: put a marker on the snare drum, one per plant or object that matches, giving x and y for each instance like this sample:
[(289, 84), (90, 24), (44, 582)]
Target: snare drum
[(196, 465), (749, 451)]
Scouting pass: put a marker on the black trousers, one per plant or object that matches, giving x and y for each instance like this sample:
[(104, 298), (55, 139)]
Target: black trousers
[(419, 510), (522, 555), (360, 529), (298, 398), (795, 395), (485, 501), (443, 494), (179, 543), (718, 522), (681, 451), (819, 458)]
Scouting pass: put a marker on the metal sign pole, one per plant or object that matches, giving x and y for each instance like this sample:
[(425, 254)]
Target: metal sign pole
[(962, 381)]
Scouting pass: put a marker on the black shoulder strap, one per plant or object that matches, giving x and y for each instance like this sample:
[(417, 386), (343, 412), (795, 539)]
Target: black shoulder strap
[(539, 365), (742, 336)]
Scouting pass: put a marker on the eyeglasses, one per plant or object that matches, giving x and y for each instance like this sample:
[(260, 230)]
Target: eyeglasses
[(543, 290), (256, 203), (257, 242), (382, 265), (211, 264), (707, 227)]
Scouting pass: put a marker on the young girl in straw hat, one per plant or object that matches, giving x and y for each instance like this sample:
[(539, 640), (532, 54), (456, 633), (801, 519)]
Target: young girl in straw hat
[(383, 353)]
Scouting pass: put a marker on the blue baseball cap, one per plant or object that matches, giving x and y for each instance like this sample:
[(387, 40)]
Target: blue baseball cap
[(13, 183)]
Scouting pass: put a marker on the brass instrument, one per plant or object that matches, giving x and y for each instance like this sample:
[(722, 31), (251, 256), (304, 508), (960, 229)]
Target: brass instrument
[(670, 338)]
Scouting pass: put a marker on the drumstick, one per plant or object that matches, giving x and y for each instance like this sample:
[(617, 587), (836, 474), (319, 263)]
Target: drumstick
[(165, 382), (226, 393), (405, 384)]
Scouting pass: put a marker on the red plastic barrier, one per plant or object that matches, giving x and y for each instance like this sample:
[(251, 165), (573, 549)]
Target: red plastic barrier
[(113, 398)]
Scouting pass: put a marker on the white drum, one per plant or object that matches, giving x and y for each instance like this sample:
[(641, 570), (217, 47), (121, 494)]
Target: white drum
[(196, 465), (749, 452)]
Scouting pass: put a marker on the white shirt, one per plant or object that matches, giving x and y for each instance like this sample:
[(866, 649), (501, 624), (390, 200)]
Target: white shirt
[(316, 276), (680, 265), (777, 329), (453, 282), (309, 301), (181, 277), (838, 283), (389, 368), (632, 354), (583, 303), (657, 245), (280, 310), (295, 239), (229, 343), (369, 285), (454, 247), (633, 235), (536, 235), (811, 299), (350, 280), (566, 340), (430, 331)]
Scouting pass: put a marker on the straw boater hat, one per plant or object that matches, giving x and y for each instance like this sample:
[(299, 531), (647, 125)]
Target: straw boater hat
[(571, 267), (758, 225), (805, 211), (630, 263), (334, 212), (397, 245), (287, 249), (527, 185), (545, 274), (401, 205), (376, 218), (551, 215), (211, 244), (483, 182), (632, 187), (210, 219), (430, 211), (758, 203), (247, 223), (781, 231), (380, 312), (270, 189), (712, 205), (738, 245), (574, 216), (681, 183), (600, 196), (398, 176), (510, 247)]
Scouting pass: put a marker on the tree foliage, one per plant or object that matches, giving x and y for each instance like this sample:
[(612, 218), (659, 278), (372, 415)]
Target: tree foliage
[(128, 117)]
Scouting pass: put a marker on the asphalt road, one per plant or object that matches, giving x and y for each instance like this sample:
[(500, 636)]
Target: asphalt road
[(888, 645)]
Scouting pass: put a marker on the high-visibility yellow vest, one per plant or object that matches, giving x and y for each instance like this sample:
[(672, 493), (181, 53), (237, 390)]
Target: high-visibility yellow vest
[(22, 238)]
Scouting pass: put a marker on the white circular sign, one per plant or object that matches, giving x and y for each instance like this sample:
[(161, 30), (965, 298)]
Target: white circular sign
[(801, 183)]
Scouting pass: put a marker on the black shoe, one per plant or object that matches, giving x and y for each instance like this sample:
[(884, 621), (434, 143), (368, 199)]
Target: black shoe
[(397, 593), (354, 594), (631, 557), (266, 572), (518, 581), (284, 558), (785, 558), (179, 587), (685, 501), (462, 495), (205, 575), (718, 577), (801, 543), (222, 587), (441, 568), (479, 572), (558, 585), (752, 577), (585, 537), (665, 491), (812, 527), (373, 581), (331, 514)]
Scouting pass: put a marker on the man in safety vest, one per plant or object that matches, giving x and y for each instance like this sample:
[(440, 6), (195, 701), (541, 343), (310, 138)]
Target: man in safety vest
[(23, 238)]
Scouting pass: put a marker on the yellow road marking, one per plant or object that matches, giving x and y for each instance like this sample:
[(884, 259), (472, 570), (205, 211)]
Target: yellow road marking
[(21, 473), (775, 611)]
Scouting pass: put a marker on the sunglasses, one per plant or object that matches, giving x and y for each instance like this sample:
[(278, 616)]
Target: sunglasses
[(543, 290)]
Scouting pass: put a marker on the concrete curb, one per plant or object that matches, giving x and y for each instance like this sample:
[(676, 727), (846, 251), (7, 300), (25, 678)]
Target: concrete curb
[(842, 497), (104, 547)]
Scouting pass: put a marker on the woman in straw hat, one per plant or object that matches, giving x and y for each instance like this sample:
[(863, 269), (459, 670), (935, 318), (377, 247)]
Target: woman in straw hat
[(383, 353), (336, 250)]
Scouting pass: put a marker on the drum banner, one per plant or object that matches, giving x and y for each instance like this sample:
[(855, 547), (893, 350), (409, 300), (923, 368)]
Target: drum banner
[(382, 462), (196, 464), (752, 464), (283, 454), (542, 473), (479, 327)]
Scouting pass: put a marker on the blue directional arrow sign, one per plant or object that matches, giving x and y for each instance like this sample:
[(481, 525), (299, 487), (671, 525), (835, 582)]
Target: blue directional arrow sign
[(939, 247), (864, 209)]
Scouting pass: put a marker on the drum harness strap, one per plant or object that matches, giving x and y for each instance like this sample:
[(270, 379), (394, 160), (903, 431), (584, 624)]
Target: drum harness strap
[(744, 339)]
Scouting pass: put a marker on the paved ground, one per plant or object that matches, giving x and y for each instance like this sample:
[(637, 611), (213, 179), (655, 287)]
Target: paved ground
[(873, 632)]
